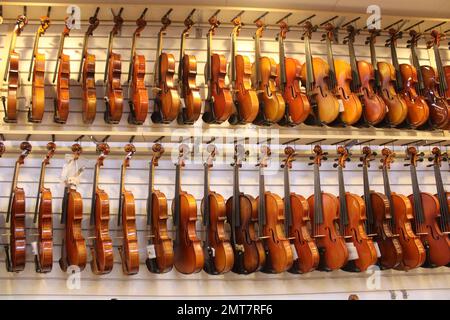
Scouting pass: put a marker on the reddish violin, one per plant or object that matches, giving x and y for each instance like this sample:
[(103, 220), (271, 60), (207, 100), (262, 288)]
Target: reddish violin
[(442, 195)]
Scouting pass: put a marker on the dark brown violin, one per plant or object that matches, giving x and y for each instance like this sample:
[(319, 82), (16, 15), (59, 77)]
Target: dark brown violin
[(379, 218), (87, 74), (324, 211), (426, 212), (112, 78), (242, 215), (16, 251), (102, 249), (12, 72), (298, 223), (279, 256), (129, 250), (219, 257), (188, 250), (136, 74), (157, 216), (442, 195), (43, 215)]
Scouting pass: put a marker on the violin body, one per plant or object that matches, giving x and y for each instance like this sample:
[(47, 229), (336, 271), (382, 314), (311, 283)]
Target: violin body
[(74, 241), (254, 256), (436, 243), (335, 253), (375, 108), (246, 96), (413, 250), (188, 250), (352, 105), (168, 96), (62, 90), (139, 91), (192, 99), (17, 231), (223, 100), (389, 245), (308, 254), (397, 108), (439, 109), (45, 230), (115, 91), (299, 106), (89, 103), (418, 111), (37, 89), (13, 86), (130, 243)]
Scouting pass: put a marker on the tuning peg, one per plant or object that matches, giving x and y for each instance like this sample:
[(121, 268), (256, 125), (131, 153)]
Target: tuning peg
[(361, 158), (407, 164), (325, 158), (420, 159), (348, 160), (310, 164), (336, 159), (430, 158), (421, 154), (311, 158), (335, 165), (429, 165), (325, 153), (374, 154), (360, 165), (366, 42)]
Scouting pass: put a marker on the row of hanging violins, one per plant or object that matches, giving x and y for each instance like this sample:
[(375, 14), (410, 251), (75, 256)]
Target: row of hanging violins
[(335, 92), (268, 234)]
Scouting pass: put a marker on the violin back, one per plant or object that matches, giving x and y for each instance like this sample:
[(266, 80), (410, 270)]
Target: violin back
[(89, 103), (62, 90), (45, 230), (246, 96), (223, 100), (439, 109), (13, 86), (37, 89), (17, 231), (130, 258), (74, 241), (192, 99), (104, 256)]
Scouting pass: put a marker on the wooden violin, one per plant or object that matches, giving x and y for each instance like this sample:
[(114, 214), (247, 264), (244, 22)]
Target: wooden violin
[(87, 74), (12, 72), (188, 250), (242, 214), (298, 223), (442, 195), (157, 221), (443, 72), (244, 96), (363, 78), (315, 74), (62, 75), (219, 257), (136, 74), (16, 251), (379, 218), (340, 78), (73, 248), (352, 219), (298, 107), (129, 250), (219, 102), (43, 215), (102, 248), (187, 79), (279, 256), (112, 78), (264, 73), (37, 66), (167, 99), (386, 81), (426, 212), (324, 211)]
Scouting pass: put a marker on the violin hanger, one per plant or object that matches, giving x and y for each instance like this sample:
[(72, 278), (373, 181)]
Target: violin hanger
[(141, 24), (417, 142), (105, 139), (393, 24), (214, 14), (159, 139), (373, 23), (284, 18), (238, 15), (388, 142), (290, 141), (339, 142), (414, 25), (306, 19), (350, 22), (190, 15), (364, 142), (261, 16), (328, 21), (165, 20), (211, 140), (436, 26)]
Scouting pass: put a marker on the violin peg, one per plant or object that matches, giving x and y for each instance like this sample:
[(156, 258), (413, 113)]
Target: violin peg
[(348, 160), (430, 158), (374, 154), (311, 158), (406, 164), (429, 165), (360, 165), (325, 153), (325, 158), (310, 164), (335, 165), (420, 159)]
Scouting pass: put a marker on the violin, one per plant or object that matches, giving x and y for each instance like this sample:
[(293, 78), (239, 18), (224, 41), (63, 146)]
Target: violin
[(219, 102), (12, 72), (73, 248), (410, 78), (401, 211), (219, 256), (264, 73), (62, 70), (136, 74), (298, 223), (102, 249), (187, 74), (37, 66), (442, 72), (87, 74), (43, 215), (279, 256), (242, 214), (324, 213), (352, 219), (167, 100), (113, 72), (442, 195), (298, 107), (379, 218), (16, 251), (363, 78), (188, 250), (340, 78), (315, 74), (157, 221), (426, 211), (244, 96), (385, 79), (129, 250)]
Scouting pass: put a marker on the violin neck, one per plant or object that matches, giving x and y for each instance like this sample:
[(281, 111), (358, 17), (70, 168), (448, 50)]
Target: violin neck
[(157, 74), (318, 207), (442, 198), (13, 188), (443, 85), (40, 189), (287, 200), (343, 212), (151, 176), (418, 208), (416, 64), (387, 192), (373, 58), (122, 194), (398, 75), (332, 76), (257, 57), (309, 65), (368, 203), (236, 195), (356, 81), (180, 64), (94, 191), (206, 206), (233, 56), (262, 198), (208, 58), (176, 211), (282, 62)]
